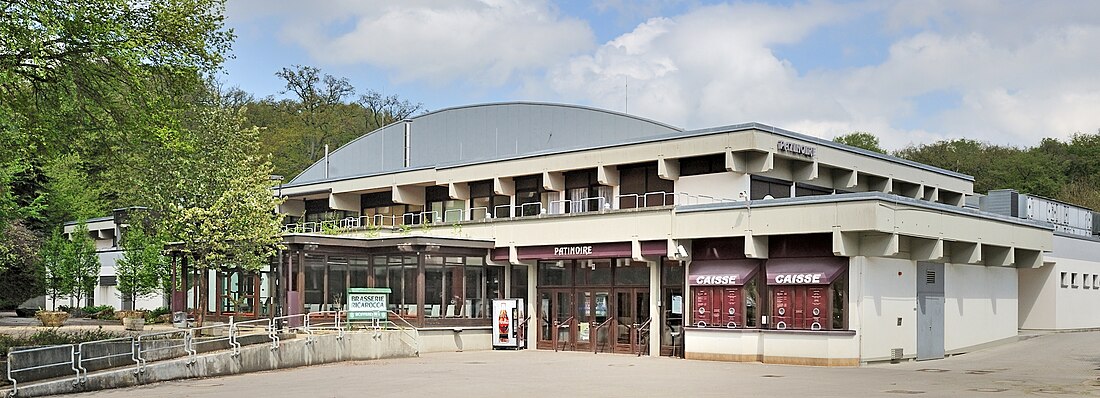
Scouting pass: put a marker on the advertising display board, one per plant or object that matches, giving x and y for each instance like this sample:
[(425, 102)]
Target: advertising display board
[(508, 330), (368, 304)]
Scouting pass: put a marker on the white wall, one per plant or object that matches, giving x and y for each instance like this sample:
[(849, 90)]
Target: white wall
[(886, 289), (719, 185), (1048, 302), (980, 305)]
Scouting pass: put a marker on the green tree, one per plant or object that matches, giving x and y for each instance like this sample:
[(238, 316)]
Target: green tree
[(69, 192), (860, 139), (21, 273), (212, 187), (83, 263), (318, 99), (57, 266), (142, 269)]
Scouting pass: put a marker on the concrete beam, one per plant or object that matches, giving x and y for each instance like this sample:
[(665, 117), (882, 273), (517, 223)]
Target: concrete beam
[(504, 186), (998, 255), (607, 175), (1028, 258), (294, 207), (553, 181), (756, 246), (846, 178), (735, 161), (845, 244), (804, 171), (926, 250), (762, 163), (668, 169), (344, 201), (458, 190), (879, 245), (408, 194), (966, 252)]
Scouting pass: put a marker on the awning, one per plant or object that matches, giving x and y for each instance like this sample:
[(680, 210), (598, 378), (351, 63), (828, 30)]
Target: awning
[(722, 272), (805, 271)]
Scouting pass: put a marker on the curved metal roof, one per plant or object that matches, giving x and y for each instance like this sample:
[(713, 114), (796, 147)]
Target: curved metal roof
[(480, 133)]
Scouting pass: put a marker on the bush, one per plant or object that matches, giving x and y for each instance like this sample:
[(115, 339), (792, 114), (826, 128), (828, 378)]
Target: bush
[(106, 312), (54, 337), (151, 316)]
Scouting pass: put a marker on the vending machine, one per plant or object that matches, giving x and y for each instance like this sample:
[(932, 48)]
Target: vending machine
[(509, 323)]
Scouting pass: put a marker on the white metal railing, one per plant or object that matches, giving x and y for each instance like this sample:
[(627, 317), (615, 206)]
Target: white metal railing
[(171, 344), (563, 206)]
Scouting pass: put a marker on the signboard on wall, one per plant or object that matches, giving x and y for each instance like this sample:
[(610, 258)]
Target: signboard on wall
[(365, 304)]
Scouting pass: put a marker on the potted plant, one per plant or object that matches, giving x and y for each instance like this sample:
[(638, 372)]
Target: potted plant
[(51, 319)]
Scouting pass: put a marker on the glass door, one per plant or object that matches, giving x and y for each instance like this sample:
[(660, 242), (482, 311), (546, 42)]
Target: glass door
[(591, 327), (631, 312), (555, 319)]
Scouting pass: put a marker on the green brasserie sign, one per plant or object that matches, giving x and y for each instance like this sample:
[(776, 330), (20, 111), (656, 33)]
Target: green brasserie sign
[(367, 303)]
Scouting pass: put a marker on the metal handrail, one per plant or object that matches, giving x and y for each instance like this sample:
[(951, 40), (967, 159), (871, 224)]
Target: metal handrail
[(643, 328), (596, 331), (557, 326), (84, 358), (12, 368)]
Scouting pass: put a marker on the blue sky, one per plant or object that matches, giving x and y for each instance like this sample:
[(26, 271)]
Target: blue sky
[(1007, 72)]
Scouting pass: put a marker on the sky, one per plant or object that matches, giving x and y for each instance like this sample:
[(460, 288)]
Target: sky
[(910, 72)]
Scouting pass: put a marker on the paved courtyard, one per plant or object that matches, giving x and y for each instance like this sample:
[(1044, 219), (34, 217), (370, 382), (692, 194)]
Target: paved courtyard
[(1046, 365)]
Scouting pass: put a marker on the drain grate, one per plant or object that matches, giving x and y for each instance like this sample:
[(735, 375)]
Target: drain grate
[(933, 370), (979, 372), (771, 376), (909, 392)]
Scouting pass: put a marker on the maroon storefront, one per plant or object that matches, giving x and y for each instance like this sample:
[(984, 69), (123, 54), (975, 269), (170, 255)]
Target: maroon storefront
[(598, 297)]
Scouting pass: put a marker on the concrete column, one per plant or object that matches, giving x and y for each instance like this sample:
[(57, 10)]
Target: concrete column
[(655, 306), (532, 305)]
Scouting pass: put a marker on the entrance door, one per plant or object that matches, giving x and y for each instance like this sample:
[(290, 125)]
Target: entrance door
[(930, 311), (631, 312), (591, 329), (555, 309)]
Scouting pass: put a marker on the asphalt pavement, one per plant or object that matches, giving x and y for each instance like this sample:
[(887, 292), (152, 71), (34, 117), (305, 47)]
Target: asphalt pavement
[(1055, 364)]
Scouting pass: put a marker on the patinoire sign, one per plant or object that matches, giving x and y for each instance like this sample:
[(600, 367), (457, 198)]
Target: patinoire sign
[(796, 149), (573, 250), (367, 303)]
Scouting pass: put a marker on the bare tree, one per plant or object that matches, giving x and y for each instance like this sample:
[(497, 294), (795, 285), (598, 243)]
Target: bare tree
[(383, 110), (317, 96)]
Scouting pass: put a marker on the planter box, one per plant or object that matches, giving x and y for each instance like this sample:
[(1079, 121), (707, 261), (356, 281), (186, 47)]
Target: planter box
[(52, 319), (137, 324)]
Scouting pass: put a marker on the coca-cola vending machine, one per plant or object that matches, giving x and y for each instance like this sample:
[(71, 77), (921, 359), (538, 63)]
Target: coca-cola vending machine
[(508, 323)]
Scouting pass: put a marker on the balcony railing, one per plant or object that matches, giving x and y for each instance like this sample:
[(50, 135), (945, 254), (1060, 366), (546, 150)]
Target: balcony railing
[(531, 209)]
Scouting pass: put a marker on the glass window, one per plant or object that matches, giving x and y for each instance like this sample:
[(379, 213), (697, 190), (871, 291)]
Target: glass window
[(519, 282), (358, 272), (706, 164), (594, 272), (477, 300), (631, 273), (337, 282), (752, 302), (762, 186), (315, 282), (801, 189), (555, 273), (840, 303)]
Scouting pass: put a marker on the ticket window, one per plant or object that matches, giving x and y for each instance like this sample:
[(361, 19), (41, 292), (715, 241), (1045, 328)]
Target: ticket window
[(718, 307), (804, 307)]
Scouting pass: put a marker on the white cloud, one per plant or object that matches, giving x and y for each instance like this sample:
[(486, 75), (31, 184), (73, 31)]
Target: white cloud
[(483, 41), (1018, 73)]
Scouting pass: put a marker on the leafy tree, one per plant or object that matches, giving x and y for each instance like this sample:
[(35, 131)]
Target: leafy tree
[(21, 273), (142, 269), (860, 139), (57, 266), (213, 188), (70, 195), (83, 263), (317, 97)]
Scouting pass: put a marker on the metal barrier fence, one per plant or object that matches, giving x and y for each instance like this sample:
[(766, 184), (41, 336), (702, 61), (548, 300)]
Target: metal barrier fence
[(146, 347), (531, 209)]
